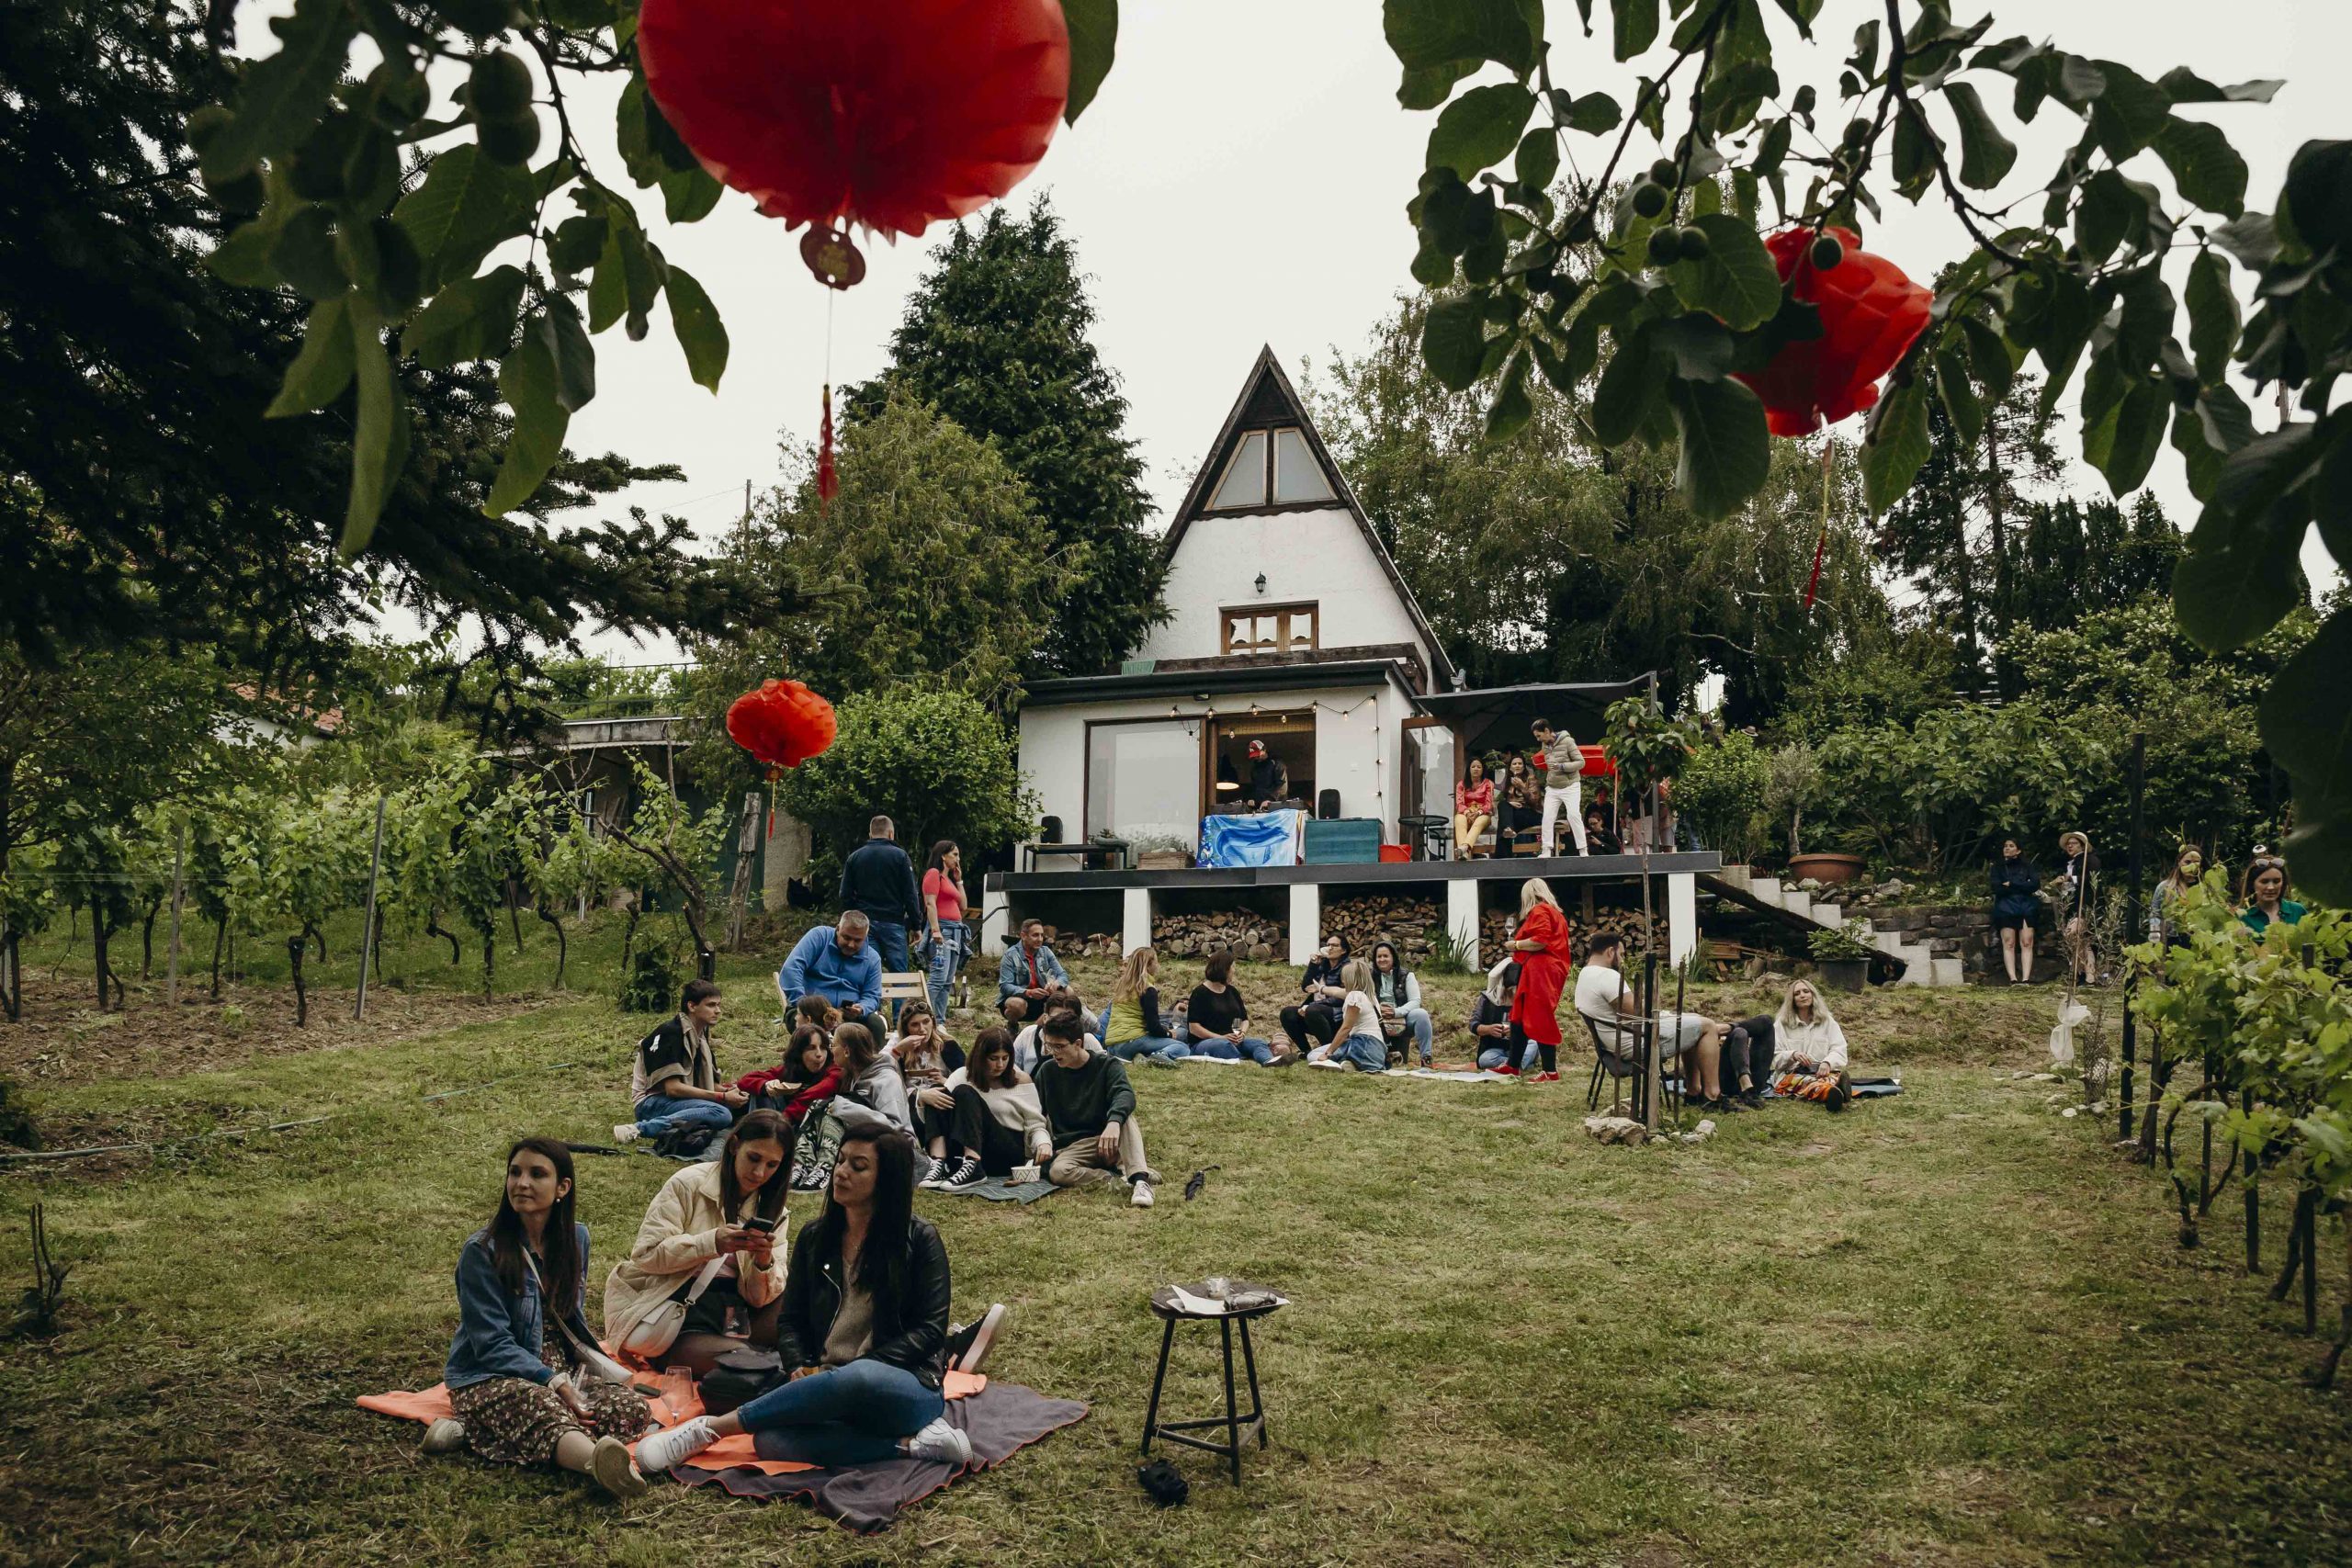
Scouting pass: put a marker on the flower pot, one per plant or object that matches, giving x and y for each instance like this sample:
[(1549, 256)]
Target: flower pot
[(1163, 860), (1825, 867), (1845, 973)]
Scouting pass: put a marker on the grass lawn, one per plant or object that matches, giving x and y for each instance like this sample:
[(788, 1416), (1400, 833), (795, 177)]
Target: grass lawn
[(1945, 1329)]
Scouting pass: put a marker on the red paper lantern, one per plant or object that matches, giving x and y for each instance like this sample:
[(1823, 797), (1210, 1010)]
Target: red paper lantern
[(783, 723), (1869, 314), (884, 114)]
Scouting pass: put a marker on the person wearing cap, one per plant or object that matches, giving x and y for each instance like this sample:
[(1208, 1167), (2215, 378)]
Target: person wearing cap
[(1269, 780)]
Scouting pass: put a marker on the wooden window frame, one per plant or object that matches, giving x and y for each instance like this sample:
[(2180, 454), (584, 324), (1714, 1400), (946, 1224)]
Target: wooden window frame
[(1281, 615)]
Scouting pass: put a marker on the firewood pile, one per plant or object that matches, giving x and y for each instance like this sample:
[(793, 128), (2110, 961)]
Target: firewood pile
[(1248, 935), (1405, 921), (1494, 928)]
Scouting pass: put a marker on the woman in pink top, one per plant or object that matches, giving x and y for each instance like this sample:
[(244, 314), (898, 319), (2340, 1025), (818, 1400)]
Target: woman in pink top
[(1473, 810), (942, 906)]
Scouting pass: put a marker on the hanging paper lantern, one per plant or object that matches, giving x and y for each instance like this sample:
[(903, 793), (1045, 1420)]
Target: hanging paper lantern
[(888, 115), (1869, 314), (783, 723)]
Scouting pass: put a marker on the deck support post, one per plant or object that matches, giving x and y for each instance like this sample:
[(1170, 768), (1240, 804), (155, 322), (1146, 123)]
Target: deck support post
[(1306, 922), (1681, 915), (1461, 920), (1135, 926)]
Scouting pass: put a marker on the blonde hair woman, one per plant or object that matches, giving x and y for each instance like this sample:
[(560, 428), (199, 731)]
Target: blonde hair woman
[(1132, 1027), (1361, 1044), (1541, 945), (1808, 1049), (2076, 906)]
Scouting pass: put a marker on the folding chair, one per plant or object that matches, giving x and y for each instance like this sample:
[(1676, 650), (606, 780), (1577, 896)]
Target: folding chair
[(903, 986), (1604, 1060)]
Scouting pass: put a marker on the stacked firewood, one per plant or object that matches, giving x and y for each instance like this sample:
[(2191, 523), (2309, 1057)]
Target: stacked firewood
[(1082, 945), (1248, 935), (1405, 921), (1494, 928)]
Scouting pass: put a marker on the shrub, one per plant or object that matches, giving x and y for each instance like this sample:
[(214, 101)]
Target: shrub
[(934, 761), (655, 973), (1841, 944), (1719, 792)]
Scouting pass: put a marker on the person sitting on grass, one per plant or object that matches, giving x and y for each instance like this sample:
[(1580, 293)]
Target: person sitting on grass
[(862, 1326), (1089, 1111), (1029, 977), (702, 1217), (674, 1080), (922, 1048), (1399, 996), (1360, 1044), (1809, 1050), (525, 1378), (1133, 1027), (925, 1057), (1026, 1051), (1603, 998), (1314, 1019), (808, 1077), (1500, 1044), (1216, 1014), (871, 1089), (988, 1109), (1748, 1059), (815, 1009), (837, 965)]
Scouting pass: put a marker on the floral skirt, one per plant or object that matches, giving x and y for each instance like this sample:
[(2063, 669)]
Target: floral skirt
[(516, 1421)]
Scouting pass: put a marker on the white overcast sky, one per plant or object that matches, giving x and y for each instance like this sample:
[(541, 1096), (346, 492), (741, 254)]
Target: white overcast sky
[(1241, 180)]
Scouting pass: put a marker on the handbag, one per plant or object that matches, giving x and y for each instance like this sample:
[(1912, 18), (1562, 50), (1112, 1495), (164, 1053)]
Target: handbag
[(737, 1378), (658, 1329)]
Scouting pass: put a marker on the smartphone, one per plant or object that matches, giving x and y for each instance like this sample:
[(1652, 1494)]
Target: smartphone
[(764, 1226)]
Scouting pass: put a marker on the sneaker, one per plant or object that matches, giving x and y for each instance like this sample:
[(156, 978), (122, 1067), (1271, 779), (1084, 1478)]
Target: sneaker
[(614, 1469), (683, 1441), (624, 1132), (1142, 1198), (1543, 1077), (934, 1172), (967, 1174), (1753, 1099), (1508, 1070), (942, 1444), (1158, 1060), (445, 1436), (969, 1347)]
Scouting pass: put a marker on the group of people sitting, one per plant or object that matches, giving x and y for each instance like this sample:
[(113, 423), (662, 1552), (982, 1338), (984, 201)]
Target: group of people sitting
[(1532, 793)]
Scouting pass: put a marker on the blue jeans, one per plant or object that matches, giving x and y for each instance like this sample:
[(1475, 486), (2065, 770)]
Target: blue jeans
[(657, 1112), (1367, 1052), (1424, 1031), (1493, 1056), (1223, 1050), (1158, 1045), (853, 1415), (947, 956)]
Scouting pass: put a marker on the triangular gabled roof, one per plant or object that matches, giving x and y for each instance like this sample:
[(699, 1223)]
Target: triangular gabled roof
[(1268, 400)]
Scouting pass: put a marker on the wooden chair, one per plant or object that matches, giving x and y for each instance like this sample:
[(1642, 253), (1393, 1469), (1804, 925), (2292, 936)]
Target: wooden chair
[(904, 986)]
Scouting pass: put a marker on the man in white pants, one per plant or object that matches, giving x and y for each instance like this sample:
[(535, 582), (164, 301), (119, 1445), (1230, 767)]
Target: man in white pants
[(1563, 785)]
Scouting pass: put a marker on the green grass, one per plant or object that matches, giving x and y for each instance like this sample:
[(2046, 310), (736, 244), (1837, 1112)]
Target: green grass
[(1946, 1328)]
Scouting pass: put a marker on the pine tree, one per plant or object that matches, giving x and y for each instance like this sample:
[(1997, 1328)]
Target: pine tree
[(995, 338)]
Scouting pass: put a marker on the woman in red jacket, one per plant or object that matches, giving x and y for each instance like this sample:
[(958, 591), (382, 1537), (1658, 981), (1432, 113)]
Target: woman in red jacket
[(1541, 945)]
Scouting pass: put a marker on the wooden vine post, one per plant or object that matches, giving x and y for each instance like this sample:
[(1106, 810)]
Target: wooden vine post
[(2130, 930), (171, 957), (368, 914)]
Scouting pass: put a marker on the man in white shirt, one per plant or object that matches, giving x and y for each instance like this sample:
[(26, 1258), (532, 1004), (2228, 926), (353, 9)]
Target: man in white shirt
[(1563, 785), (1603, 997)]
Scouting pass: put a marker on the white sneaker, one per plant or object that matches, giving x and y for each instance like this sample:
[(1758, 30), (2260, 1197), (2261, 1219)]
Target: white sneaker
[(683, 1441), (942, 1443), (445, 1436), (609, 1464), (1142, 1198), (624, 1132)]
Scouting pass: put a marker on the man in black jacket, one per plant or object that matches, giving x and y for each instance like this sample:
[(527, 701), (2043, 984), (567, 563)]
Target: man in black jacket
[(1090, 1109), (879, 880)]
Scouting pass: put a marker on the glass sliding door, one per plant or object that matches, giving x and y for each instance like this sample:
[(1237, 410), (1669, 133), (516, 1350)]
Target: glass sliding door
[(1143, 783)]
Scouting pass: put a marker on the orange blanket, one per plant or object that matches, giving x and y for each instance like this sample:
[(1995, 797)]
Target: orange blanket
[(676, 1402)]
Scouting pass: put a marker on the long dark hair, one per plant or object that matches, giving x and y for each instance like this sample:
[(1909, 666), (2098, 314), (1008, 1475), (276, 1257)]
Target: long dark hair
[(1398, 973), (882, 1266), (795, 1070), (985, 1042), (561, 1276), (768, 1124), (939, 853)]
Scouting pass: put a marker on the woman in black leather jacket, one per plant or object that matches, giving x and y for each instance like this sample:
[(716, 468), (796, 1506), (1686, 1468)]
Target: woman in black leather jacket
[(862, 1326)]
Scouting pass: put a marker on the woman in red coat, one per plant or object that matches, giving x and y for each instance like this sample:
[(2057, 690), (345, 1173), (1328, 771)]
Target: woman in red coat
[(1541, 945)]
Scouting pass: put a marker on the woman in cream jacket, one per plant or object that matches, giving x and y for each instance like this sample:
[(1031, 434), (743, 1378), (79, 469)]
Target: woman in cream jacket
[(696, 1220)]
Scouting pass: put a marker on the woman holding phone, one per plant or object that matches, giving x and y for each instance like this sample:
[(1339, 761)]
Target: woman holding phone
[(709, 1240), (864, 1328), (525, 1378)]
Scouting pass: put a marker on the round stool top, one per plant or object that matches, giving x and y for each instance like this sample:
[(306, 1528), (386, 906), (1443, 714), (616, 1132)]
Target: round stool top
[(1165, 1305)]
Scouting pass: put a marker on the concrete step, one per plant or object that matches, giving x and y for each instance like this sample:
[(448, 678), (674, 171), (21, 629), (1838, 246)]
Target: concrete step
[(1888, 942), (1946, 972), (1918, 966), (1796, 903), (1766, 889)]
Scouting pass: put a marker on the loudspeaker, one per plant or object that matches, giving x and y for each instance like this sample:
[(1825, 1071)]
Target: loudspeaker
[(1327, 804)]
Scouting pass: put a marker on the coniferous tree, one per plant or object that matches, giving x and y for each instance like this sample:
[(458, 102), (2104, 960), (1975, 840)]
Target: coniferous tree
[(995, 338)]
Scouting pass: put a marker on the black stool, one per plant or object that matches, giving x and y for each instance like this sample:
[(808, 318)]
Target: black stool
[(1165, 1306)]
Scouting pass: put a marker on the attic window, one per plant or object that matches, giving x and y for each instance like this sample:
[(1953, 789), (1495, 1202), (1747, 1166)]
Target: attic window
[(1271, 464), (1269, 628)]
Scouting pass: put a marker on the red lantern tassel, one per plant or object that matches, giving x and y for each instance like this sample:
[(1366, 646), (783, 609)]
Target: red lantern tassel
[(828, 483)]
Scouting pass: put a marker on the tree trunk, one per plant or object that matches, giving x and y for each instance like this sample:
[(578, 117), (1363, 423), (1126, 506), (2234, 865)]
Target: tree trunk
[(377, 947), (560, 945), (316, 935), (147, 942), (12, 977), (489, 955), (295, 945), (99, 941), (2004, 669), (515, 916), (219, 939), (628, 938), (433, 927)]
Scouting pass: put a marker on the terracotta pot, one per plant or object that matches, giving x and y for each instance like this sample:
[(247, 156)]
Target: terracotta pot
[(1825, 867)]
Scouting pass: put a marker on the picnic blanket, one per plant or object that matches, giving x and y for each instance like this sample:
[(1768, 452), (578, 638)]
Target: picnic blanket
[(1004, 1190)]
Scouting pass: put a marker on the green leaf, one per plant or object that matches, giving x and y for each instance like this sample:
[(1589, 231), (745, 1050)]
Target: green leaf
[(1480, 128), (569, 350), (1959, 394), (1637, 25), (2109, 210), (700, 332), (1594, 113), (1539, 158), (2213, 315), (2123, 443), (1989, 356), (1726, 444), (1897, 446), (1453, 339), (628, 277), (1431, 86), (2204, 165), (1094, 42), (1512, 408), (466, 206), (2307, 728), (1917, 150), (1736, 281), (2126, 111), (2199, 457), (528, 383), (282, 97), (1423, 33), (380, 430), (1986, 156), (2319, 194), (304, 254), (1632, 384), (1803, 12), (2185, 86), (323, 370), (1701, 347), (470, 319), (2237, 578), (689, 195)]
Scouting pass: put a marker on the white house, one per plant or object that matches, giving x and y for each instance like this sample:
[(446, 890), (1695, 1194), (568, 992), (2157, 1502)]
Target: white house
[(1289, 625)]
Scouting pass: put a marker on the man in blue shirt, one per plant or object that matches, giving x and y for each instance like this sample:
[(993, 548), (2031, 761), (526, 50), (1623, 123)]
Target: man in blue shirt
[(1029, 975), (878, 882), (836, 962)]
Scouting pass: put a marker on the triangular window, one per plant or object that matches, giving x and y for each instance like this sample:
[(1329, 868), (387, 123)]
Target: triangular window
[(1297, 476), (1244, 478)]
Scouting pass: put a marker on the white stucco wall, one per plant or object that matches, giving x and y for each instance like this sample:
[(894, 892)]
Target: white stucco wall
[(1320, 556), (1359, 746)]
